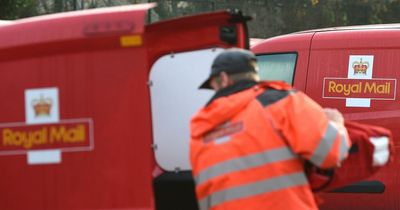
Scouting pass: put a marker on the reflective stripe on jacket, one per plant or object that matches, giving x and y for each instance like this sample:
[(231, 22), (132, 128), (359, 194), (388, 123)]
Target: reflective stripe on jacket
[(247, 149)]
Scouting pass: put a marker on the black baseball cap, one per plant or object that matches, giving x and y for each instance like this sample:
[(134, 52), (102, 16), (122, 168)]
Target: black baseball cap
[(231, 61)]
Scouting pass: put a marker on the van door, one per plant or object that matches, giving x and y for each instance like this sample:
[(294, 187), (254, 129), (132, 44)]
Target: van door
[(356, 72), (181, 52), (75, 127)]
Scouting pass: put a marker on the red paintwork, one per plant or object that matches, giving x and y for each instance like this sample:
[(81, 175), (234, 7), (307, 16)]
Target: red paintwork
[(299, 43), (328, 57), (254, 41), (69, 32), (97, 78), (190, 33)]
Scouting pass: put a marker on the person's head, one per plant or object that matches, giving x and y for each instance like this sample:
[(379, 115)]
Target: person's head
[(231, 66)]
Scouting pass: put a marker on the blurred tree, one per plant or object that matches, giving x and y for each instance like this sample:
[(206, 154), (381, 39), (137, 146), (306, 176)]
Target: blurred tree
[(392, 13), (270, 17), (14, 9), (360, 12), (275, 17)]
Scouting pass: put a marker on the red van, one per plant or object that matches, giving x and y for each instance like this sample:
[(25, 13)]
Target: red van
[(96, 105), (353, 69)]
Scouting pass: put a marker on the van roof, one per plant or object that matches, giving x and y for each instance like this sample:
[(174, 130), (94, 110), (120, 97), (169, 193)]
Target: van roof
[(74, 25), (351, 28), (5, 22)]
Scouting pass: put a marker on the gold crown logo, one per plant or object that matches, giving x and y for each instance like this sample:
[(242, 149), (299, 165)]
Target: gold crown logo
[(360, 67), (42, 106)]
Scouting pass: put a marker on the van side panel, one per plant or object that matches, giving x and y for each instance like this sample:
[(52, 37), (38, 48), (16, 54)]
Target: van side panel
[(106, 87), (96, 153), (356, 72)]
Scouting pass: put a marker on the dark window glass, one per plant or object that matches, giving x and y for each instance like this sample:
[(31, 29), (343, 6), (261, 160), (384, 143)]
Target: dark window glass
[(277, 67)]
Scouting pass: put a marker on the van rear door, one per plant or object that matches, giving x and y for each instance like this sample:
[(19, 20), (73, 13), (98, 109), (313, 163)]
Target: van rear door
[(181, 52)]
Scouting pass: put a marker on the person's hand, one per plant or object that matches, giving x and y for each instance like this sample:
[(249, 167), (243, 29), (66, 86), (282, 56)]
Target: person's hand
[(334, 115)]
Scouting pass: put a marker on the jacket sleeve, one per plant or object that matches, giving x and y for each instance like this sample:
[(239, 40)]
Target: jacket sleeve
[(374, 151), (309, 132)]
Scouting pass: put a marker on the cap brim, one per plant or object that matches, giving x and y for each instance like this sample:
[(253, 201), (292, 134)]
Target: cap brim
[(206, 84)]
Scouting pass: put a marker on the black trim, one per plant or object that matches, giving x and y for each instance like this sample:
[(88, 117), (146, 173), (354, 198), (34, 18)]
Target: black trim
[(232, 89), (238, 17), (228, 34), (362, 187), (246, 35), (271, 96), (328, 174), (175, 191), (353, 149)]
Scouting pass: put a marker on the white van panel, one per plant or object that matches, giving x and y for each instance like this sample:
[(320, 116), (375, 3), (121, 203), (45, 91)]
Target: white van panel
[(175, 97)]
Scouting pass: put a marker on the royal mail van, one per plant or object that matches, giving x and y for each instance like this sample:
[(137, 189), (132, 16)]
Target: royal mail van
[(96, 104), (95, 107), (353, 69)]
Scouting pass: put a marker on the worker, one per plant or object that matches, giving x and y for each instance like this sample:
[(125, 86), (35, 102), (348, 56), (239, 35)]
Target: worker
[(250, 141)]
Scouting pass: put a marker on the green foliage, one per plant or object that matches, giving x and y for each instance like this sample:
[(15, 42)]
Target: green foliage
[(270, 17), (275, 17), (14, 9)]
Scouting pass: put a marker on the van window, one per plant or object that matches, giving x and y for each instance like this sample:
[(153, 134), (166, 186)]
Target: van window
[(277, 66), (175, 80)]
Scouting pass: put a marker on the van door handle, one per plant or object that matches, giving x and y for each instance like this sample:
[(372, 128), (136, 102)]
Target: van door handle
[(362, 187)]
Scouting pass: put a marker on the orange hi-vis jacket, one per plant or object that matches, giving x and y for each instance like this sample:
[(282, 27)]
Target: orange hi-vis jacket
[(247, 149)]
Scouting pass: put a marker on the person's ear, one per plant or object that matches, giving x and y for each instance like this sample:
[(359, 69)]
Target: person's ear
[(215, 83), (225, 81)]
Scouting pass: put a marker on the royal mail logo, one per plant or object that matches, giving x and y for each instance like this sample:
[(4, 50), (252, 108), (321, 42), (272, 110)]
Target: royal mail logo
[(342, 88), (225, 130), (42, 106), (360, 67), (359, 88), (43, 137), (70, 135)]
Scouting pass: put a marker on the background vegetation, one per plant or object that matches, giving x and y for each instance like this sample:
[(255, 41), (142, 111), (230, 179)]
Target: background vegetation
[(270, 17)]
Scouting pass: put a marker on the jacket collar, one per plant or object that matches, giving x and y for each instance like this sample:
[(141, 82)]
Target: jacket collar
[(237, 87), (222, 107), (227, 102)]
